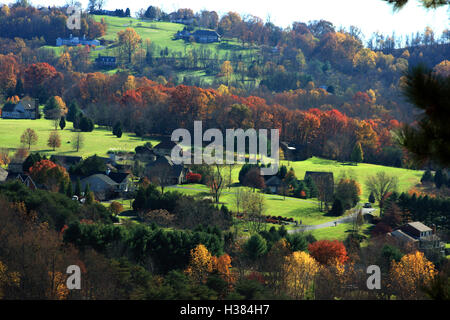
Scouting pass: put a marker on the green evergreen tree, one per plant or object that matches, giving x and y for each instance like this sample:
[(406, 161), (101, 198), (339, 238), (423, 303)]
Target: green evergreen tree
[(88, 195), (337, 209), (78, 188), (427, 176), (439, 178), (73, 112), (357, 155), (372, 198), (62, 123), (69, 190), (255, 247)]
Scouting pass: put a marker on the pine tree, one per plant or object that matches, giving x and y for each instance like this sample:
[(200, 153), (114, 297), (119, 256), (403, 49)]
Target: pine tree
[(69, 190), (337, 208), (427, 176), (88, 194), (78, 188), (357, 153), (62, 187), (372, 198), (74, 111), (439, 179), (62, 123)]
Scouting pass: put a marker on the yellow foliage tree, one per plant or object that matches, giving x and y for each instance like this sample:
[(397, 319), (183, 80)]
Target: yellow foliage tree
[(410, 274), (365, 59), (300, 269), (65, 62), (227, 70), (201, 264), (443, 68), (7, 278)]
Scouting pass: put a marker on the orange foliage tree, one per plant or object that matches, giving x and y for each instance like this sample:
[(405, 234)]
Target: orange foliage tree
[(49, 174), (328, 252)]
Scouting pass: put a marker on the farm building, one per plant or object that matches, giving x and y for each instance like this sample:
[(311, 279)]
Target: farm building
[(106, 61), (26, 108), (74, 41), (201, 36)]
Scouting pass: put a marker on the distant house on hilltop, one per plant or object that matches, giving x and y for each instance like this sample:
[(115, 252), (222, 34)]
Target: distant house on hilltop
[(26, 108), (101, 185), (200, 36), (176, 173), (74, 41), (164, 148), (106, 61)]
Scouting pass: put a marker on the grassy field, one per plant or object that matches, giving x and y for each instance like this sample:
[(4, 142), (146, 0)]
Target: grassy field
[(97, 142), (161, 34), (305, 210), (407, 178)]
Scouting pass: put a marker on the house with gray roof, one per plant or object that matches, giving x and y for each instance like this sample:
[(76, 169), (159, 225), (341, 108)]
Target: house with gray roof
[(103, 187), (420, 235)]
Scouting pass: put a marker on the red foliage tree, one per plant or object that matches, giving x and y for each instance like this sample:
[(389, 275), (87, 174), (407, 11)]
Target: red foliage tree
[(49, 174), (193, 177), (328, 252)]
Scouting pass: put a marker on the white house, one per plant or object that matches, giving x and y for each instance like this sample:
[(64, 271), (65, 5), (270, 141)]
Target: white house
[(74, 41), (25, 109)]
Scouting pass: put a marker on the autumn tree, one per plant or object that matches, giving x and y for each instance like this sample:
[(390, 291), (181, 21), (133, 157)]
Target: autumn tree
[(54, 140), (300, 269), (55, 108), (328, 252), (116, 207), (381, 184), (226, 70), (29, 137), (201, 264), (216, 182), (7, 279), (129, 41), (253, 207), (411, 274), (254, 179), (49, 174), (348, 192), (160, 174)]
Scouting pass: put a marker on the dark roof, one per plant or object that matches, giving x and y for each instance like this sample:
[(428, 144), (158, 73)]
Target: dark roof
[(66, 159), (319, 173), (165, 144), (210, 33), (419, 226), (273, 181), (104, 178), (8, 107), (118, 177)]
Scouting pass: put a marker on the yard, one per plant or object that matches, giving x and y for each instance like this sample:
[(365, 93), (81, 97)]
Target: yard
[(99, 141)]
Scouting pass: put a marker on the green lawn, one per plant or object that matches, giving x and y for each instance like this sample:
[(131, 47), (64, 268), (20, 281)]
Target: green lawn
[(340, 232), (407, 178), (161, 34), (97, 142), (305, 210)]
